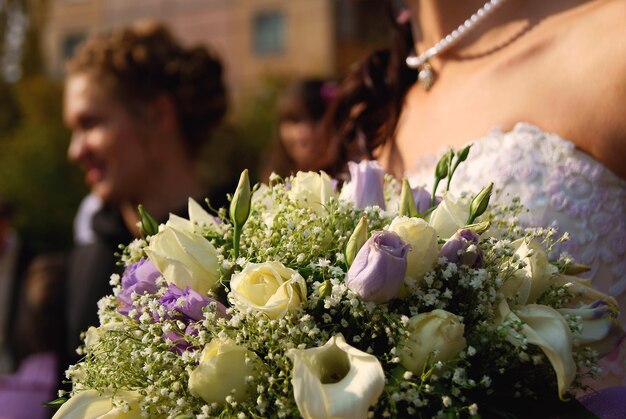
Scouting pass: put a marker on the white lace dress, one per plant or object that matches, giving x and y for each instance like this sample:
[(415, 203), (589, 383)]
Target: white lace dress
[(562, 187)]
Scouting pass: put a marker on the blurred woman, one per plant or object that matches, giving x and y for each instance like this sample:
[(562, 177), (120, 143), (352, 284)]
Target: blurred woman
[(140, 106), (301, 109)]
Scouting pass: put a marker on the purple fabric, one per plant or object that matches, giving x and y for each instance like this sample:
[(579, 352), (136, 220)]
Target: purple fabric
[(608, 403), (22, 394)]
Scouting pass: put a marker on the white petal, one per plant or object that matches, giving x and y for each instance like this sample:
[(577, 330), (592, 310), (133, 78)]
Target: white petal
[(546, 328)]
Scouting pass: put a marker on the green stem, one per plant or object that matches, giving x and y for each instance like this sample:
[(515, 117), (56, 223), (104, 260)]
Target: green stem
[(432, 198), (236, 239)]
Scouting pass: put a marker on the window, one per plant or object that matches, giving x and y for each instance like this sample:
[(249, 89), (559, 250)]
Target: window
[(70, 43), (269, 33)]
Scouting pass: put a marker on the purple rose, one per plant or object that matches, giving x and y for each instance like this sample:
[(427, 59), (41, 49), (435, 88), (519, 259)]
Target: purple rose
[(140, 277), (462, 248), (423, 199), (366, 186), (379, 267), (188, 303)]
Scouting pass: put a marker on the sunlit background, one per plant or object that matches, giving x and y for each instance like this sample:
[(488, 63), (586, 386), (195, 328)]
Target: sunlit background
[(264, 44)]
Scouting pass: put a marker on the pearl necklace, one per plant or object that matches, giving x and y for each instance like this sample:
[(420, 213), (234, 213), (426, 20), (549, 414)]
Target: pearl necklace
[(426, 75)]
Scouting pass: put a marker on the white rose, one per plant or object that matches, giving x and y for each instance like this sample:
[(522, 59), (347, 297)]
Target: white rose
[(335, 380), (434, 336), (268, 287), (90, 404), (528, 283), (94, 334), (184, 257), (223, 370), (423, 241), (450, 215), (311, 190)]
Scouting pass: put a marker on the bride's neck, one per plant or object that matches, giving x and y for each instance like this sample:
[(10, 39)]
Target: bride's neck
[(434, 19)]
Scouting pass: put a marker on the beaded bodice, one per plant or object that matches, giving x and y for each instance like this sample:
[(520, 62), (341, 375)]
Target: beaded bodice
[(561, 186)]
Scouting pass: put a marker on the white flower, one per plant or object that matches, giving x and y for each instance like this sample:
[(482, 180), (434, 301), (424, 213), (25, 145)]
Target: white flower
[(529, 282), (433, 336), (450, 215), (223, 372), (89, 404), (335, 380), (311, 190), (423, 241), (184, 257), (546, 328), (269, 287), (94, 334)]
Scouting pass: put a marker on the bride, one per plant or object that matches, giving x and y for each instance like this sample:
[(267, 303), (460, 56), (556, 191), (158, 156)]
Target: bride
[(538, 87)]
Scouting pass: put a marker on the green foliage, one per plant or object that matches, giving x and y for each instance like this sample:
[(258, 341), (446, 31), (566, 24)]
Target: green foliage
[(34, 170)]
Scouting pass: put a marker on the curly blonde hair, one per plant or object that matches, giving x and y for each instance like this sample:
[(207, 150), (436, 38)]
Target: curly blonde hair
[(144, 61)]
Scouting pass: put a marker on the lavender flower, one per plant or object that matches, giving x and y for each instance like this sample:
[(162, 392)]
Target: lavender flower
[(462, 248), (379, 268), (140, 277), (188, 304), (423, 199), (366, 184)]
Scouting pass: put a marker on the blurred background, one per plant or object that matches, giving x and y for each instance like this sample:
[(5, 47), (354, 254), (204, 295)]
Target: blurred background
[(264, 44)]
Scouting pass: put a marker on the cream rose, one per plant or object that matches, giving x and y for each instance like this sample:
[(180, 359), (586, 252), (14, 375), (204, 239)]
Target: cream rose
[(450, 215), (184, 257), (268, 287), (223, 370), (434, 336), (311, 190), (92, 404), (423, 241)]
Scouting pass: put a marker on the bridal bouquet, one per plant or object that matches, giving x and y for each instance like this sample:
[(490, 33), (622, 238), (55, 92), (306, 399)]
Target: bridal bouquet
[(369, 300)]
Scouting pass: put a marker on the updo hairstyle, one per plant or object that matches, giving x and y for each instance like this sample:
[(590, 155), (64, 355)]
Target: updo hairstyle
[(139, 63), (365, 114)]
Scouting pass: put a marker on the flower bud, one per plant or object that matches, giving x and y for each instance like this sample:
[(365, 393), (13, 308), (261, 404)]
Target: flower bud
[(325, 289), (462, 249), (356, 240), (443, 166), (240, 205), (366, 186), (479, 203), (407, 201), (423, 200), (379, 268), (148, 223)]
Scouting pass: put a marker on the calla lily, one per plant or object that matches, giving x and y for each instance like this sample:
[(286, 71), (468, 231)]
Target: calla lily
[(582, 291), (546, 328), (528, 283), (600, 328), (335, 380), (90, 404)]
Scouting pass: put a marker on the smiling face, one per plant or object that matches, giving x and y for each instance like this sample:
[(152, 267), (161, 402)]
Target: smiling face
[(110, 144)]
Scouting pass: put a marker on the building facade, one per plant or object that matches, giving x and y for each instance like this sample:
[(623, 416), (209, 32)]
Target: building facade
[(256, 39)]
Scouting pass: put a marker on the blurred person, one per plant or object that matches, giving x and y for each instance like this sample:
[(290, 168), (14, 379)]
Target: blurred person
[(301, 109), (140, 107), (37, 341), (14, 258)]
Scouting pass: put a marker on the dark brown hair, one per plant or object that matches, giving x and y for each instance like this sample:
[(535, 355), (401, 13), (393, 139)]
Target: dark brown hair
[(365, 113), (304, 99), (144, 61)]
